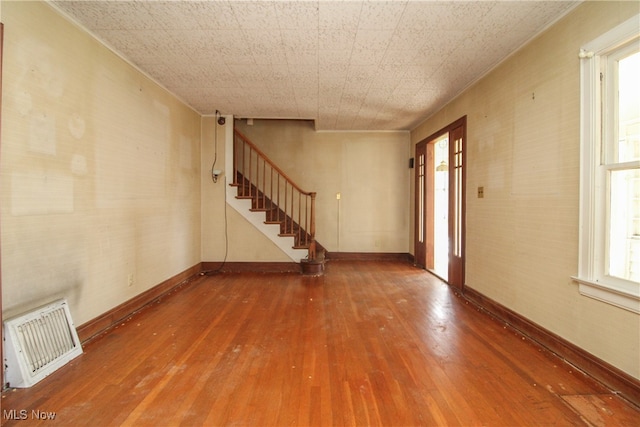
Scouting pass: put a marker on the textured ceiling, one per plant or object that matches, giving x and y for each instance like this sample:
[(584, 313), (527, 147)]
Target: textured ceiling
[(348, 65)]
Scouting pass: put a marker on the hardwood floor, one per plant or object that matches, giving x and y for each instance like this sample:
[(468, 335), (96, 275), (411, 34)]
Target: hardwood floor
[(368, 343)]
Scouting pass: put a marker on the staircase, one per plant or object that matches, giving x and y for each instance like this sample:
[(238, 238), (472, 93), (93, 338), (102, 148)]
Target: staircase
[(283, 202)]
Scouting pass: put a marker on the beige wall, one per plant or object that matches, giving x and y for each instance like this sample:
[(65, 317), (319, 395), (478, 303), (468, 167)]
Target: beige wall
[(370, 170), (100, 171), (523, 147)]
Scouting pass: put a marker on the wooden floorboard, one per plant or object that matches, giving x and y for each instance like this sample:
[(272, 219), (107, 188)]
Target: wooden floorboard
[(369, 343)]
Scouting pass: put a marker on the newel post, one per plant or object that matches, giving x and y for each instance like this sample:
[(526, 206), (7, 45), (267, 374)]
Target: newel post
[(312, 228)]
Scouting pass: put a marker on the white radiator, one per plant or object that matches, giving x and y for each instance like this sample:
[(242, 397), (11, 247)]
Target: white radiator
[(39, 342)]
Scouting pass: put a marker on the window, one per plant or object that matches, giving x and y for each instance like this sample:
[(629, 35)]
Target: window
[(609, 266)]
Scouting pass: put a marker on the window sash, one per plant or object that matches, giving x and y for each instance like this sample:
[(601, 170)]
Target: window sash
[(619, 228), (597, 165)]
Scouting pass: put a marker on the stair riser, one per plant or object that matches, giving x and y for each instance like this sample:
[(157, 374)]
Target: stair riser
[(273, 215)]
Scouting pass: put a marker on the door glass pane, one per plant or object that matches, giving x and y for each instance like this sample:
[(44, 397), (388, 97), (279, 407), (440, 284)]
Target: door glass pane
[(624, 225), (457, 182), (628, 146), (421, 201)]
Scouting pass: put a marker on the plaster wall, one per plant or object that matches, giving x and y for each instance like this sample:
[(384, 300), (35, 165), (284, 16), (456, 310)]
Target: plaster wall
[(100, 184)]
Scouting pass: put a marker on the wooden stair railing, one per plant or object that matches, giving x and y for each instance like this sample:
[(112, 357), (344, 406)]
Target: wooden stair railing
[(272, 191)]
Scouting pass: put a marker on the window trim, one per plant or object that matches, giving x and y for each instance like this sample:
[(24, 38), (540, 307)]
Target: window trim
[(591, 277)]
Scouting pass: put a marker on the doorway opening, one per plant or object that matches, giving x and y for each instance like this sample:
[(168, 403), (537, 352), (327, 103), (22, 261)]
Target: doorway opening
[(440, 203), (440, 193)]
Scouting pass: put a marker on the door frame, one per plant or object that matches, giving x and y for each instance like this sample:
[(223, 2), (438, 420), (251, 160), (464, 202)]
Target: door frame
[(457, 201)]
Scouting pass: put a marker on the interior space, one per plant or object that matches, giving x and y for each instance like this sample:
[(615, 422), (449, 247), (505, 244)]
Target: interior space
[(320, 213)]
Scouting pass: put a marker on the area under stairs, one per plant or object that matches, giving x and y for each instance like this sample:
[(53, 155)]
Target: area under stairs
[(271, 231)]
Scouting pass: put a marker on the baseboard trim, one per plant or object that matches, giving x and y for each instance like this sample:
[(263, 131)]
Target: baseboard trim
[(368, 256), (102, 323), (613, 378), (259, 267)]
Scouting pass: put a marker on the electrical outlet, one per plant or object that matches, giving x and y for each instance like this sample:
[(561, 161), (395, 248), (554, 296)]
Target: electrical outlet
[(480, 192), (338, 196), (130, 279)]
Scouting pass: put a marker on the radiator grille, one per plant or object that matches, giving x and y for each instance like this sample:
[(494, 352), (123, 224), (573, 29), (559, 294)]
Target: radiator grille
[(39, 342)]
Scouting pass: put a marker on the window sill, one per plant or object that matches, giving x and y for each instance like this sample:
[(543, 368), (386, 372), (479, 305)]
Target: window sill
[(610, 293)]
